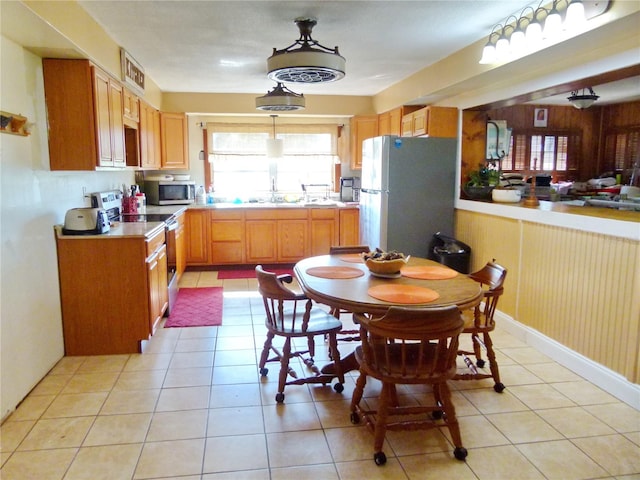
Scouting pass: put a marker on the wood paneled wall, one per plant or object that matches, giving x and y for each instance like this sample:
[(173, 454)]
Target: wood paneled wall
[(578, 288), (593, 122)]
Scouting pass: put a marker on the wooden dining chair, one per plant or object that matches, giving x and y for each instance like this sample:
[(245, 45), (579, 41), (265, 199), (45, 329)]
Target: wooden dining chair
[(292, 315), (408, 346), (479, 322), (346, 335)]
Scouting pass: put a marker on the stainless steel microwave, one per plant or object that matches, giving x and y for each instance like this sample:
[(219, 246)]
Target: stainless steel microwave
[(162, 192)]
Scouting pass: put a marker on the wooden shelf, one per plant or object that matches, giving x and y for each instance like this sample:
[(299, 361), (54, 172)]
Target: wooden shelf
[(16, 124)]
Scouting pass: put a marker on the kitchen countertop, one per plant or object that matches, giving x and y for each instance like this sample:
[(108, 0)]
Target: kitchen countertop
[(283, 205), (119, 230), (606, 221)]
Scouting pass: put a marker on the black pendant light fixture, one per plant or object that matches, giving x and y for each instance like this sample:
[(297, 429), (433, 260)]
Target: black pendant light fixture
[(280, 99), (583, 100), (305, 60)]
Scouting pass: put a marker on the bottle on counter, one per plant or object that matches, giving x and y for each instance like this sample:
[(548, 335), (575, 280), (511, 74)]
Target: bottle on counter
[(210, 195), (141, 201), (201, 196)]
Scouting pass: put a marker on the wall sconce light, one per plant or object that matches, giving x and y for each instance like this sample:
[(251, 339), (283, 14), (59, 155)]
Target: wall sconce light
[(583, 100), (543, 27)]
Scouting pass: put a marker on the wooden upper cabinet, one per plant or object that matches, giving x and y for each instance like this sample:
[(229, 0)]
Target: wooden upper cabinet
[(131, 108), (431, 122), (362, 127), (173, 134), (149, 135), (84, 115)]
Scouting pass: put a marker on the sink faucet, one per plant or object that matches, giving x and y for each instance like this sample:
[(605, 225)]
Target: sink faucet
[(273, 189)]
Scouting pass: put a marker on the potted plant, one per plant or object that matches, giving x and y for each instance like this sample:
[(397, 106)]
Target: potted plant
[(482, 182)]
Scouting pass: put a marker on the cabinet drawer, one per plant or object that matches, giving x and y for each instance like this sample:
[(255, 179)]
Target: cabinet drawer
[(227, 214), (292, 213), (323, 213), (154, 243)]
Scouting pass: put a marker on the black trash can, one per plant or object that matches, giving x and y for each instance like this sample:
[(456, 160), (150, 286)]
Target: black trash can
[(450, 252)]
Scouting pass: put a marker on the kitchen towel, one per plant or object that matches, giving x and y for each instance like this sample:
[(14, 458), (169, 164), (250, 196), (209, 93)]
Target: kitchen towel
[(197, 307)]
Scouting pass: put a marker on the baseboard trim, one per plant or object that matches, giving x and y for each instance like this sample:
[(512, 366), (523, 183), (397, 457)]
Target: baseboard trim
[(603, 377)]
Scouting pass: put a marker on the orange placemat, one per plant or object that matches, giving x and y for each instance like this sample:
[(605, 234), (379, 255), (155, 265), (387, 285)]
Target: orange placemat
[(403, 294), (428, 273), (351, 257), (335, 272)]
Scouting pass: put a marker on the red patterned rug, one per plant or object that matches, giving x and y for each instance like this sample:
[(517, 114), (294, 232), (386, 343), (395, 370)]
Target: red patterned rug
[(246, 273), (196, 307)]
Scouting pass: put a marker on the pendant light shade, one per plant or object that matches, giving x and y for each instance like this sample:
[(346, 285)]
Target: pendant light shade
[(280, 99), (275, 146), (310, 62), (583, 100)]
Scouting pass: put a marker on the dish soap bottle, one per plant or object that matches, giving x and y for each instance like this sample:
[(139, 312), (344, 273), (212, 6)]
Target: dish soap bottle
[(201, 196)]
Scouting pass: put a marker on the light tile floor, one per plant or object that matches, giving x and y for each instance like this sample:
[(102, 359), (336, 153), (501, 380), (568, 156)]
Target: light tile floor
[(193, 406)]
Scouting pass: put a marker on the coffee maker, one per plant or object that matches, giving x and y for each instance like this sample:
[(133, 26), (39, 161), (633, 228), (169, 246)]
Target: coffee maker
[(349, 189)]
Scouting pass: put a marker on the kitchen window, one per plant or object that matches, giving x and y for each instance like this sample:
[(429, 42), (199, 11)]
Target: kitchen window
[(241, 168), (554, 152)]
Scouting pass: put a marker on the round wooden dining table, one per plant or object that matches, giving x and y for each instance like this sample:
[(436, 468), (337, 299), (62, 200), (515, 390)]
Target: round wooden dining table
[(344, 282)]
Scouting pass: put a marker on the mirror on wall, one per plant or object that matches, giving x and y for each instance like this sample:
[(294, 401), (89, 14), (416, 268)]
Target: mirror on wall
[(498, 139)]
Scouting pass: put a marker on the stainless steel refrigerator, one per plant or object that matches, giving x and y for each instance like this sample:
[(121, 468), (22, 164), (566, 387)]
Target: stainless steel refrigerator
[(407, 190)]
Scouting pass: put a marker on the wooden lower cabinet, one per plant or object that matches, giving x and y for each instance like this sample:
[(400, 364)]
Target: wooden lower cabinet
[(227, 237), (324, 230), (197, 226), (291, 240), (113, 291), (252, 236), (261, 241), (349, 226)]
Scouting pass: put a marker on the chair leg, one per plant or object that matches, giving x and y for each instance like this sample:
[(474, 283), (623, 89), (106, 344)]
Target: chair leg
[(284, 369), (477, 349), (380, 429), (265, 353), (357, 392), (493, 364), (444, 396), (335, 357)]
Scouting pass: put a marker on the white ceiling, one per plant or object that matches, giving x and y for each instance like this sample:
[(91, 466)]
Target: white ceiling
[(222, 46)]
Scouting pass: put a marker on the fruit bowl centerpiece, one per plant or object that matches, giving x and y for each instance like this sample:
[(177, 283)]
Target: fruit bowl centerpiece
[(386, 264)]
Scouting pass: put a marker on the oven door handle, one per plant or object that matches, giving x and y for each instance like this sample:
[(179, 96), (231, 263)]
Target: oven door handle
[(171, 226)]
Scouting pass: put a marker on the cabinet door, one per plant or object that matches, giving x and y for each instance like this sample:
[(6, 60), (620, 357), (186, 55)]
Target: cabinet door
[(109, 120), (395, 121), (261, 241), (442, 122), (149, 137), (158, 289), (292, 240), (384, 124), (173, 132), (420, 120), (103, 124), (197, 222), (323, 236), (362, 127), (117, 124), (350, 227), (407, 125), (131, 107)]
